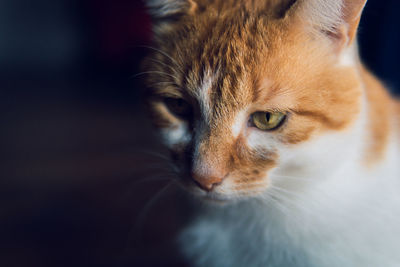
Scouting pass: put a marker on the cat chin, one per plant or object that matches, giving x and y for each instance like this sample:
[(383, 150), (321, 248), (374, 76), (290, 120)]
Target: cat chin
[(215, 198), (216, 201), (210, 197)]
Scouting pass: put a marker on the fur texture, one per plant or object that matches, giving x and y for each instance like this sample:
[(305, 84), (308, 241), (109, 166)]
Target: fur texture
[(321, 190)]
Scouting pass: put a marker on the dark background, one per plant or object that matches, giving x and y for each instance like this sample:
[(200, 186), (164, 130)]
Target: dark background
[(78, 172)]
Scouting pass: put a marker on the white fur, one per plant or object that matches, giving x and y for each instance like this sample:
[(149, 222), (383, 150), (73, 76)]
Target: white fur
[(203, 94), (239, 122), (258, 139), (339, 213), (325, 14), (348, 56), (176, 134), (162, 8)]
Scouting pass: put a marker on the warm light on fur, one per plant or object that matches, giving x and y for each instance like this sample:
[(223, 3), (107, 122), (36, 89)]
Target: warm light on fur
[(323, 189)]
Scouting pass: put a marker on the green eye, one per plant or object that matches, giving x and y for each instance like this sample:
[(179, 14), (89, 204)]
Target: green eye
[(268, 120), (178, 107)]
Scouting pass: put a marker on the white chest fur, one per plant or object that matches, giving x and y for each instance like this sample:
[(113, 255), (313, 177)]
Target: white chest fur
[(338, 213)]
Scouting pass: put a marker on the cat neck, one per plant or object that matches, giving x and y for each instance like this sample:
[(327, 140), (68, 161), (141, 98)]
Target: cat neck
[(383, 120)]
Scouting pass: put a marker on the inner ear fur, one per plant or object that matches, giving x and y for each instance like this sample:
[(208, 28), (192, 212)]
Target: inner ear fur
[(168, 9), (337, 19)]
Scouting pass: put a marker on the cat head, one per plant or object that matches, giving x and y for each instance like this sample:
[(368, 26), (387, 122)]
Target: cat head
[(244, 92)]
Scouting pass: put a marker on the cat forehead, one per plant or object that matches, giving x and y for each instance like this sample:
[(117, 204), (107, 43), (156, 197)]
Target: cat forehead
[(231, 61), (217, 89), (223, 71), (237, 80)]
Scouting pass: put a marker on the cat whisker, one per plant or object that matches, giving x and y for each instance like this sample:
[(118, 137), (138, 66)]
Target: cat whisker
[(154, 72), (141, 218), (279, 206), (164, 83), (159, 177), (165, 65), (286, 191), (156, 154), (166, 175), (296, 198), (165, 159), (286, 197), (306, 179), (287, 211), (161, 52), (154, 168)]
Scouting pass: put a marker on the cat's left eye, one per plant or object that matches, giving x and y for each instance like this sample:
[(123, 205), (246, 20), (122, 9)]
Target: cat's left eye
[(178, 107), (268, 121)]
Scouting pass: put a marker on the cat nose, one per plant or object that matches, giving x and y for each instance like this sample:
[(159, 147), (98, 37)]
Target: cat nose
[(207, 182)]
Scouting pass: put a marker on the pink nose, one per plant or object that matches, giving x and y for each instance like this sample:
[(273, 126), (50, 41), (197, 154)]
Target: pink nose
[(207, 183)]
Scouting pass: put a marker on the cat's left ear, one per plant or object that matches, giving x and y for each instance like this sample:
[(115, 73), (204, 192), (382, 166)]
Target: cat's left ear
[(166, 9), (337, 19)]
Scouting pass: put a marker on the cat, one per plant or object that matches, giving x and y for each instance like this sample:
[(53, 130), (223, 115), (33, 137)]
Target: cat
[(288, 143)]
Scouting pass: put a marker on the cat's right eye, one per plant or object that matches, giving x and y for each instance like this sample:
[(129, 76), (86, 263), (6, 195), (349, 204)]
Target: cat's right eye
[(178, 107)]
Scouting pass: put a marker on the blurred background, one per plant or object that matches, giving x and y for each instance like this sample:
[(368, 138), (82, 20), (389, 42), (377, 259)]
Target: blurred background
[(79, 164)]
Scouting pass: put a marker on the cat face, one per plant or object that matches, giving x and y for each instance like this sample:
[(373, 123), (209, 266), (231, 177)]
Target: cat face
[(240, 91)]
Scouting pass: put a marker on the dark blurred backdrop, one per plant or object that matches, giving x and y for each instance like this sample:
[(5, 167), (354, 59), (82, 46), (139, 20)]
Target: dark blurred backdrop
[(77, 165)]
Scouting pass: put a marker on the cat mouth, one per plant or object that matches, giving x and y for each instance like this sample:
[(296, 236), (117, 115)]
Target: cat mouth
[(211, 196), (216, 199), (215, 196)]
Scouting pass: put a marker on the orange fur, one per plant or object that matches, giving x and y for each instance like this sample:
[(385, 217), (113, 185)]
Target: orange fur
[(265, 61), (381, 110)]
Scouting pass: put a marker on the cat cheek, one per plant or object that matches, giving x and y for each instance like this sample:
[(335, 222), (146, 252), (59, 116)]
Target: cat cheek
[(258, 140), (232, 188)]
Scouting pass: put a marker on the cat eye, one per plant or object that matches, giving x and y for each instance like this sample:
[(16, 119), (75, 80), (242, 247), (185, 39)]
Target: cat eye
[(178, 107), (267, 121)]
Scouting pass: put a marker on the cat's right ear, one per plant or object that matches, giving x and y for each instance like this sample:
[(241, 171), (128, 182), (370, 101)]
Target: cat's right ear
[(164, 10), (336, 19)]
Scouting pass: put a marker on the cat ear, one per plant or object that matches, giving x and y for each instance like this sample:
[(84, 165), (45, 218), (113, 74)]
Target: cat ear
[(164, 9), (338, 19)]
